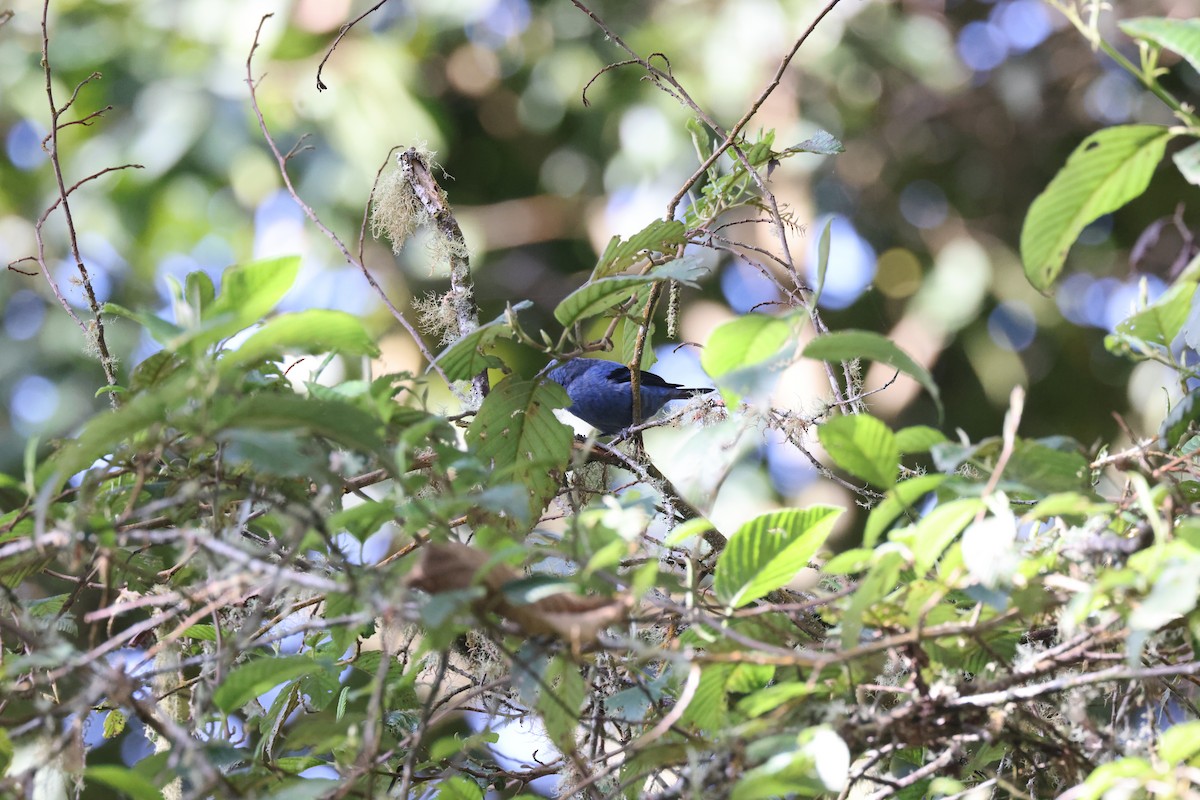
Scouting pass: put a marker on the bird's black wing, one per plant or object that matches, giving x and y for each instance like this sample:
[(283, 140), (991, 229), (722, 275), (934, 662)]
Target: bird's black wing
[(621, 374)]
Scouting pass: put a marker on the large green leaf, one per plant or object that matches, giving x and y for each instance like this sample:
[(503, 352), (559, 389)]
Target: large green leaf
[(899, 498), (122, 779), (709, 709), (466, 358), (1161, 321), (459, 788), (817, 766), (160, 330), (604, 294), (880, 581), (1180, 35), (256, 676), (767, 552), (864, 447), (1045, 467), (937, 529), (1180, 743), (312, 331), (345, 424), (561, 703), (1187, 161), (918, 438), (853, 344), (516, 431), (105, 433), (1106, 171), (659, 236), (745, 354), (250, 291)]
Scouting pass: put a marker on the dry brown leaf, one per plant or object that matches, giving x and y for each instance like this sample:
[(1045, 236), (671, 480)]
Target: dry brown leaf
[(452, 567)]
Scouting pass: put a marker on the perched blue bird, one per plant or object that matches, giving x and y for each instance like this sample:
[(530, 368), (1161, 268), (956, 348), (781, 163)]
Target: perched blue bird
[(601, 396)]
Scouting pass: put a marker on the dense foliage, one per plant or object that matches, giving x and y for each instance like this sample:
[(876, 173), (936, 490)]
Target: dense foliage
[(268, 566)]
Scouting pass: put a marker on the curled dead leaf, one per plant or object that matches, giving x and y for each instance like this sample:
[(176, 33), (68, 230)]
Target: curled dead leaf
[(451, 566)]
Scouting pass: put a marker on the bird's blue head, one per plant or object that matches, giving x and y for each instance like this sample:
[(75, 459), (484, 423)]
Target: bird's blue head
[(567, 372)]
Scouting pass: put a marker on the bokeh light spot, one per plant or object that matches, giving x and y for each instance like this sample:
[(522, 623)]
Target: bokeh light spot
[(1112, 97), (982, 46), (898, 274), (1012, 325), (473, 69), (923, 204), (1024, 23), (24, 145), (23, 315), (745, 287), (565, 172), (34, 400)]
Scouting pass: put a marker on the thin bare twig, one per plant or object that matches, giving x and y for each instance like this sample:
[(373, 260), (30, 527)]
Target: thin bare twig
[(93, 330), (281, 161), (341, 35)]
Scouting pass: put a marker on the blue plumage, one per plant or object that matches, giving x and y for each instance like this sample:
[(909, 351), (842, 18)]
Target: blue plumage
[(601, 395)]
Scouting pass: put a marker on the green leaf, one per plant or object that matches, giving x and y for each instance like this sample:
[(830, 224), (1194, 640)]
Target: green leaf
[(1180, 35), (770, 698), (1175, 593), (302, 789), (822, 260), (560, 705), (937, 529), (709, 709), (312, 331), (465, 358), (1043, 468), (849, 562), (105, 433), (818, 765), (123, 780), (459, 788), (199, 290), (155, 369), (900, 497), (250, 291), (294, 765), (159, 329), (1182, 417), (880, 580), (822, 143), (200, 633), (1187, 161), (864, 447), (342, 422), (659, 236), (918, 438), (746, 353), (747, 678), (1107, 170), (1067, 504), (516, 431), (767, 552), (1180, 743), (851, 344), (254, 677), (605, 294), (114, 724), (696, 526), (1161, 321)]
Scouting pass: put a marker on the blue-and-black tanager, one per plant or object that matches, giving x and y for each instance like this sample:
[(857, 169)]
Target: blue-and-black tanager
[(601, 395)]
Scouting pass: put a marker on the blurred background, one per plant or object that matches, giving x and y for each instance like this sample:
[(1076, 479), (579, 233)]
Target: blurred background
[(954, 116)]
